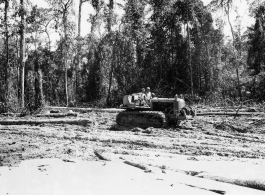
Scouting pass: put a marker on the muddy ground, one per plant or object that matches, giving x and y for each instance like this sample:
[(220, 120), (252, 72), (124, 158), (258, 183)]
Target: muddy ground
[(223, 149), (220, 138)]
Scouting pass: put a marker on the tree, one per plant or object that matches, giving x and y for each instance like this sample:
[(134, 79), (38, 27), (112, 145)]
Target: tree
[(62, 11), (227, 6), (207, 42), (78, 49), (22, 54), (109, 27), (189, 8), (256, 52), (77, 65), (39, 97), (6, 69), (40, 21), (97, 5), (110, 15)]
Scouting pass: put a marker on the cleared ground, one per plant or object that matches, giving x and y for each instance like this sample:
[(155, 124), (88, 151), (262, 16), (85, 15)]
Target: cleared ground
[(205, 138), (216, 137)]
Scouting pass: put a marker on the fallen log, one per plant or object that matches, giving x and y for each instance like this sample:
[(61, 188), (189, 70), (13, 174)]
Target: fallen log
[(140, 166), (212, 190), (234, 107), (250, 183), (100, 155), (57, 115), (10, 114), (231, 113), (44, 121), (226, 110), (84, 110)]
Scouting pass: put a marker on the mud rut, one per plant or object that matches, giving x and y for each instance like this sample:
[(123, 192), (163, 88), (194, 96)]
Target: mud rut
[(203, 138)]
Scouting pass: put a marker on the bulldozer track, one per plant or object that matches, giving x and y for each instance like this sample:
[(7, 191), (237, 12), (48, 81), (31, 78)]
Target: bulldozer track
[(143, 119)]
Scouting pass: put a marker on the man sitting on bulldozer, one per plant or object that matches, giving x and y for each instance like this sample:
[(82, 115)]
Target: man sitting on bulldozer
[(135, 99), (149, 95), (142, 98)]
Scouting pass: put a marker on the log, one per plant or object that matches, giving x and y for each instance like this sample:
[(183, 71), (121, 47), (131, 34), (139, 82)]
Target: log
[(234, 107), (249, 183), (100, 155), (57, 115), (10, 114), (226, 110), (43, 121), (84, 110), (231, 113), (137, 165), (212, 190)]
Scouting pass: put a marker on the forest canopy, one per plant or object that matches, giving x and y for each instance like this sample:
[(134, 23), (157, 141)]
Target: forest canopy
[(171, 46)]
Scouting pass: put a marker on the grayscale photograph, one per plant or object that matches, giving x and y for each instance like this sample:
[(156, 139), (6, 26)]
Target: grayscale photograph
[(132, 97)]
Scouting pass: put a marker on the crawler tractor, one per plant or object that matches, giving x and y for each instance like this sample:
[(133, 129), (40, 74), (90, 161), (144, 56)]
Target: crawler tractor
[(157, 112)]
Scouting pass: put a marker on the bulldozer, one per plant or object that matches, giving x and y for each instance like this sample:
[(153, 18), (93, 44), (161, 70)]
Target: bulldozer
[(156, 112)]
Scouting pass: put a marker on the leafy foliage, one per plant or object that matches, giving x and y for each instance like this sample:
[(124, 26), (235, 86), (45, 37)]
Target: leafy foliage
[(173, 47)]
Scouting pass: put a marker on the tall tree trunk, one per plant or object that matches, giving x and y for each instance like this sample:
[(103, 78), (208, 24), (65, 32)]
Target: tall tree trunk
[(7, 55), (39, 97), (189, 52), (110, 17), (208, 69), (200, 73), (234, 53), (65, 46), (189, 62), (66, 82), (111, 76), (111, 6), (49, 40), (110, 84), (76, 73), (22, 55), (64, 52), (79, 17)]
